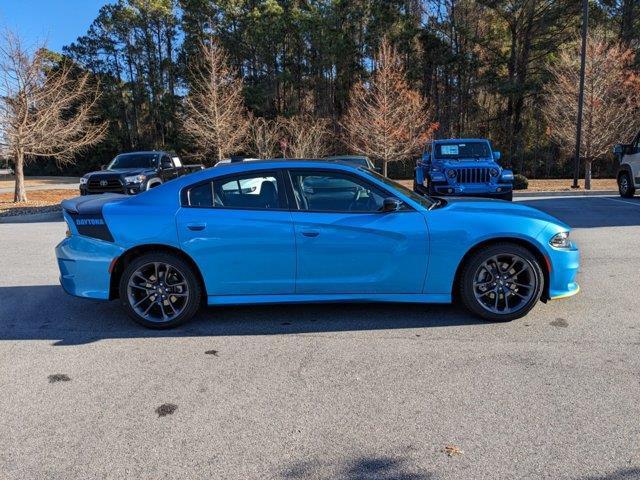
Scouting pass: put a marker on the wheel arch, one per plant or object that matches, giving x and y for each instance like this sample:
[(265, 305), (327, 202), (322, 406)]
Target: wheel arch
[(535, 251), (625, 168), (123, 260)]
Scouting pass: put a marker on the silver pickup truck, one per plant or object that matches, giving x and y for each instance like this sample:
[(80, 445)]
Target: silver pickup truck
[(629, 171)]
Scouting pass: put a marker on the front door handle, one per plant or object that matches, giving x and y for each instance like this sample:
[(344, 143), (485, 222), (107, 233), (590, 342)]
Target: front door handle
[(311, 233), (196, 227)]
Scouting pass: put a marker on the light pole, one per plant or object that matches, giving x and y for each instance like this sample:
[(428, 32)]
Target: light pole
[(583, 57)]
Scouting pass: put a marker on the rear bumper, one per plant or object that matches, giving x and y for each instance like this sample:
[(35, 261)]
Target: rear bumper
[(84, 266)]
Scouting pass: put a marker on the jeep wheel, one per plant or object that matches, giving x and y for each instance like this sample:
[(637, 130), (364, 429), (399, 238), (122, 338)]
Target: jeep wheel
[(159, 290), (501, 282), (625, 185)]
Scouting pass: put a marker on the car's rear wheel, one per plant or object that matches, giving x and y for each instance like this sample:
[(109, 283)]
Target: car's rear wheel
[(501, 282), (625, 185), (160, 290)]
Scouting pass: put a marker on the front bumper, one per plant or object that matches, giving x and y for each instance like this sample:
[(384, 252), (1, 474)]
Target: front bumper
[(84, 266), (129, 189), (476, 190), (565, 264)]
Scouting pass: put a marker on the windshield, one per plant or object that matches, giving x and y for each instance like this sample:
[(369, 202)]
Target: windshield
[(426, 202), (455, 151), (133, 160)]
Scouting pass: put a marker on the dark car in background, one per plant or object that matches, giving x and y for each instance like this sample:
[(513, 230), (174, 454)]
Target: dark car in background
[(355, 160), (134, 172)]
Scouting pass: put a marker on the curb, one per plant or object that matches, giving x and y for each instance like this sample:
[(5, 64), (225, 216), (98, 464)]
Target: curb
[(567, 193), (33, 218)]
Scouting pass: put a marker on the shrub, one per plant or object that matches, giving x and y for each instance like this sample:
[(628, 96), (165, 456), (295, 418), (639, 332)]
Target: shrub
[(520, 182)]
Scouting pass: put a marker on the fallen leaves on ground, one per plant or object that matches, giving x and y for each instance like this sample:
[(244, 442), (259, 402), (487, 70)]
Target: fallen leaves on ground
[(555, 185), (39, 201), (452, 450)]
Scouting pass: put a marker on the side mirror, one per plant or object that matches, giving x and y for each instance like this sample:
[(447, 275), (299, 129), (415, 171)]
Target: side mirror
[(391, 204), (103, 167), (426, 157), (496, 155)]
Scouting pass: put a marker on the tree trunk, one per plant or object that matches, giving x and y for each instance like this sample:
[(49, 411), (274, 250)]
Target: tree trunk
[(385, 165), (20, 194), (587, 174)]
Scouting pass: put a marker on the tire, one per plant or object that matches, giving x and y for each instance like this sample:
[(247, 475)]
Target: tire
[(141, 288), (506, 196), (625, 185), (476, 282)]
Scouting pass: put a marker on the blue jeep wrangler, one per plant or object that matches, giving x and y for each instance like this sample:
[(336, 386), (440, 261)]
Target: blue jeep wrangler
[(460, 167)]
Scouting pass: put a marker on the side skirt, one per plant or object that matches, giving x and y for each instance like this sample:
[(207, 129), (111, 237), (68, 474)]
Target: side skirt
[(328, 298)]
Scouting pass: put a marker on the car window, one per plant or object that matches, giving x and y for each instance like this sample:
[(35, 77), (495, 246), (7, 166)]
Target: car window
[(166, 162), (201, 195), (328, 191), (246, 191)]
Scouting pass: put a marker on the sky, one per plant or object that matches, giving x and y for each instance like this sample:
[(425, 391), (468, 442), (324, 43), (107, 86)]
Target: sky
[(57, 22)]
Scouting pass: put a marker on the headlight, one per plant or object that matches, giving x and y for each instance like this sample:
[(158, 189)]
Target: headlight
[(560, 240), (83, 180), (494, 172), (135, 179), (451, 173)]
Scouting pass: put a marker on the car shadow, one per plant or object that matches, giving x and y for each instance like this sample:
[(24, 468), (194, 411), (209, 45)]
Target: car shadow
[(590, 212), (45, 312)]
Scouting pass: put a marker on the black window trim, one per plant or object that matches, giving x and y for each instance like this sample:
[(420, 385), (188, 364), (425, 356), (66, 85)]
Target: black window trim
[(277, 173), (296, 208)]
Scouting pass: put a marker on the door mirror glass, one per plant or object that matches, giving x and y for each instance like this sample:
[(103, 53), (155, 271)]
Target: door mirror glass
[(391, 204), (496, 155), (103, 167)]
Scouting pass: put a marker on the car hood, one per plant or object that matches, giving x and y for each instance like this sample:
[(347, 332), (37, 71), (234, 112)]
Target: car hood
[(486, 206), (119, 172)]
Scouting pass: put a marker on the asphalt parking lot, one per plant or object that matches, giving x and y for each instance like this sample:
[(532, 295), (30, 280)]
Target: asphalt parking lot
[(326, 391)]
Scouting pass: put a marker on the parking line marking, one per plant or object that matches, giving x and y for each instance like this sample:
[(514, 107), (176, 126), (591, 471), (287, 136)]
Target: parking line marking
[(635, 204)]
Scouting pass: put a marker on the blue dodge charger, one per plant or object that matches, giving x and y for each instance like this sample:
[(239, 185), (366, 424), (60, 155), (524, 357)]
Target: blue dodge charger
[(290, 231)]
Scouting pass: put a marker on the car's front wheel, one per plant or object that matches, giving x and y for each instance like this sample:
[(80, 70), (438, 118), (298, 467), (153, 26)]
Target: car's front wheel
[(501, 282), (160, 290), (625, 185)]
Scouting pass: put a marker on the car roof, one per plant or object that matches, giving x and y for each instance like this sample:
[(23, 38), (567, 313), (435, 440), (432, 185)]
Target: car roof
[(346, 157), (145, 152), (283, 163), (457, 140)]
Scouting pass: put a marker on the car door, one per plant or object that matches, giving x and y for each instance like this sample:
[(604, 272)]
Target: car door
[(346, 244), (633, 159), (168, 169), (239, 231)]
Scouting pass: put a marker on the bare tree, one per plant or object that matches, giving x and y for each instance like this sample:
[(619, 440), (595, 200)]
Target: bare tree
[(216, 117), (264, 137), (386, 119), (611, 103), (45, 110), (305, 136)]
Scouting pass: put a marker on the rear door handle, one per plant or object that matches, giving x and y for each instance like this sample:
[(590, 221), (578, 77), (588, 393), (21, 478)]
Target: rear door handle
[(310, 233), (196, 227)]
